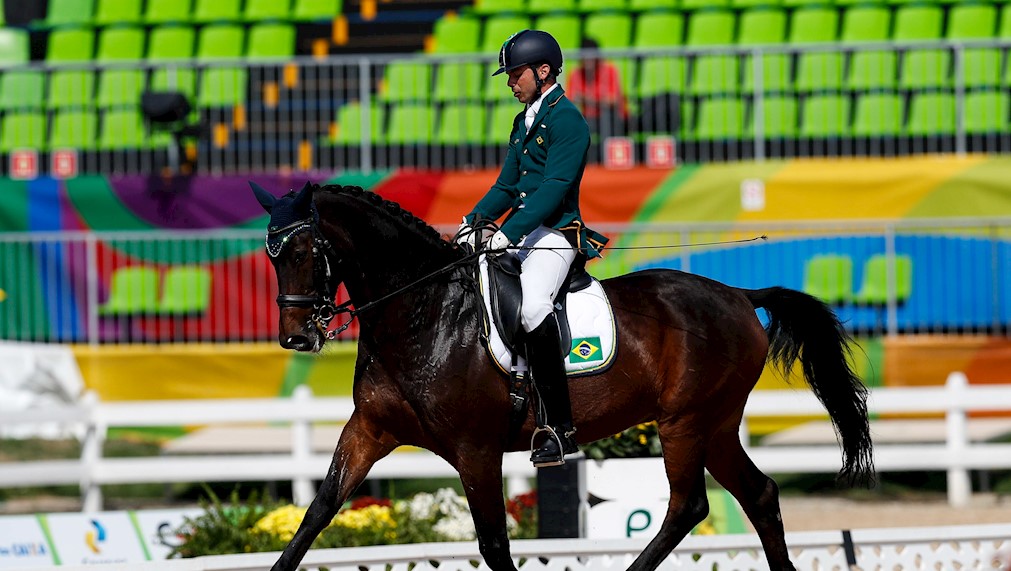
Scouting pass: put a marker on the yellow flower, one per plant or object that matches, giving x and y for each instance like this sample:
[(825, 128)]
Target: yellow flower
[(282, 522), (371, 516), (642, 439), (706, 528)]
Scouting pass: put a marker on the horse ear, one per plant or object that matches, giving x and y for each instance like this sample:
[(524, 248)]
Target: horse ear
[(304, 198), (265, 199)]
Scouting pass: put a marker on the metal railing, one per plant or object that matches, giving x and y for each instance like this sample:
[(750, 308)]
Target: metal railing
[(377, 111), (893, 276)]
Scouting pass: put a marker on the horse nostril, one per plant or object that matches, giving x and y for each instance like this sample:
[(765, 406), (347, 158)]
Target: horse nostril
[(296, 342)]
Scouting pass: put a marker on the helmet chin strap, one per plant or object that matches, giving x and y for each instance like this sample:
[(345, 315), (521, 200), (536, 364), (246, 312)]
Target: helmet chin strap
[(537, 81)]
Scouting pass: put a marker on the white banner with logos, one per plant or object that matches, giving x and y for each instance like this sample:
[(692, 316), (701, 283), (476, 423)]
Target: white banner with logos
[(157, 529), (23, 543)]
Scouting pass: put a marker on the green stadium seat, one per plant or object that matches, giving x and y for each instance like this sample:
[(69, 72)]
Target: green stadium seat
[(987, 112), (874, 286), (765, 26), (818, 71), (172, 44), (779, 117), (133, 290), (350, 127), (967, 21), (118, 44), (643, 5), (713, 74), (222, 87), (315, 10), (925, 68), (603, 5), (498, 28), (661, 74), (749, 4), (23, 130), (878, 114), (659, 29), (931, 114), (462, 124), (74, 129), (69, 13), (610, 30), (407, 81), (124, 129), (564, 27), (411, 123), (918, 22), (271, 41), (547, 6), (814, 24), (71, 88), (458, 81), (866, 24), (502, 115), (981, 67), (14, 47), (72, 45), (829, 277), (720, 119), (457, 35), (22, 90), (825, 116), (710, 28), (186, 290), (495, 88), (117, 12), (220, 41), (168, 11), (689, 5), (216, 11), (872, 70), (495, 7), (1004, 27), (265, 10), (809, 3), (120, 86)]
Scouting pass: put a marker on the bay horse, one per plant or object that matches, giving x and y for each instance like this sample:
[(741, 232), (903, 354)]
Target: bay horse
[(689, 352)]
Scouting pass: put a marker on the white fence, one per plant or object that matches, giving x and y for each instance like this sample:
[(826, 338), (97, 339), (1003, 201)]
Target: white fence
[(956, 452), (963, 547)]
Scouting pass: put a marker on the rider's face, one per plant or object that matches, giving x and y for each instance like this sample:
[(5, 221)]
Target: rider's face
[(521, 80)]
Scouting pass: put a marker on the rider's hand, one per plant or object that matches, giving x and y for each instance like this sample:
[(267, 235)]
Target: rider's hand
[(466, 235), (498, 243)]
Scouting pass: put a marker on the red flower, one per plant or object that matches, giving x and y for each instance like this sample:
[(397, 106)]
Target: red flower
[(522, 504), (367, 501)]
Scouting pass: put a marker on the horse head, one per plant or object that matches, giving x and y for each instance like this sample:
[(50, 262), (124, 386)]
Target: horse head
[(305, 265)]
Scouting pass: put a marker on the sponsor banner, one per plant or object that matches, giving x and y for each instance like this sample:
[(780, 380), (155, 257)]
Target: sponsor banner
[(98, 538), (23, 543), (625, 519), (157, 529)]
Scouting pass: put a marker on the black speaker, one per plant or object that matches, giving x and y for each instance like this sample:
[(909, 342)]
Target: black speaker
[(558, 500), (164, 106)]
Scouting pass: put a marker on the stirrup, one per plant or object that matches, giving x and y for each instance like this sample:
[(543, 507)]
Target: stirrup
[(553, 436)]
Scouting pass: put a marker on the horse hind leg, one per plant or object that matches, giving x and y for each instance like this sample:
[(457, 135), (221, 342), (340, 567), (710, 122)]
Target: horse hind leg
[(683, 458), (357, 451), (757, 493)]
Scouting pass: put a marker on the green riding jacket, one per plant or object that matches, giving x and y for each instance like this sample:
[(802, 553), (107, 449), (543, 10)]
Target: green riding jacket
[(540, 179)]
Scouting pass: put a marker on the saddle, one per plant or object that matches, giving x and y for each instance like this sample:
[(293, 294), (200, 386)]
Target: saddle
[(507, 297)]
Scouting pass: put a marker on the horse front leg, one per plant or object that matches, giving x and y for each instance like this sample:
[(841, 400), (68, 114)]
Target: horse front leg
[(481, 475), (361, 445)]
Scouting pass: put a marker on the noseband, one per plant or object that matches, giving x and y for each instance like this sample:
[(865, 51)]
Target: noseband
[(323, 259)]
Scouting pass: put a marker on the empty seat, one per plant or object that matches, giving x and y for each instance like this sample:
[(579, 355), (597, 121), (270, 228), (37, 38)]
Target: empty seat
[(987, 112), (817, 70), (502, 115), (410, 124), (493, 7), (816, 24), (611, 31), (754, 3), (172, 44), (74, 129), (829, 277), (925, 68), (76, 45), (132, 290), (13, 46), (498, 28), (545, 6), (931, 114), (22, 90), (262, 10), (457, 35), (120, 86), (23, 130), (918, 22), (825, 116), (759, 27), (312, 10), (874, 285), (117, 12), (462, 124), (271, 41), (458, 81), (168, 11), (660, 75), (216, 11), (222, 86), (407, 81), (877, 115), (186, 290), (659, 29), (872, 70), (603, 5), (689, 5), (778, 118), (124, 129), (221, 41), (69, 12), (564, 28), (351, 123), (866, 24), (712, 74), (710, 28), (71, 88), (641, 5), (720, 119), (980, 66)]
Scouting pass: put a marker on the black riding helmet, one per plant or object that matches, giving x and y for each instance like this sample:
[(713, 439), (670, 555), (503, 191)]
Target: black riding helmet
[(530, 47)]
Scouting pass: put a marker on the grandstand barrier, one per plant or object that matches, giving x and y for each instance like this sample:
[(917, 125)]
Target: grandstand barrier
[(956, 449), (367, 112)]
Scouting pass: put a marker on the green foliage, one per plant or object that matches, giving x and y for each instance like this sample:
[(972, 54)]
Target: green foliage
[(640, 441)]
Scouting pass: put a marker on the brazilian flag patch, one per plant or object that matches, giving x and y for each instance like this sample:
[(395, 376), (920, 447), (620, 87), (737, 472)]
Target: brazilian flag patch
[(585, 349)]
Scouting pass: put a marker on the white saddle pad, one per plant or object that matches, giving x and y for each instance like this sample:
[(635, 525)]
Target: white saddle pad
[(590, 322)]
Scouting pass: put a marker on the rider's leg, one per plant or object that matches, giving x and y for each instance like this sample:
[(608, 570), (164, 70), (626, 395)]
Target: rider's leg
[(543, 272)]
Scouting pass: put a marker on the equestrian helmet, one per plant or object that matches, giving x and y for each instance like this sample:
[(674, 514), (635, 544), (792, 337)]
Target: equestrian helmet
[(530, 47)]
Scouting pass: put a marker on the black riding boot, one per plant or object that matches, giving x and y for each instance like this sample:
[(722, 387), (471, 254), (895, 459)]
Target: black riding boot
[(547, 364)]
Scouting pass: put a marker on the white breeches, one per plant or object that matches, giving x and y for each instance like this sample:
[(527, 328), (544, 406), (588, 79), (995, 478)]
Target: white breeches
[(542, 273)]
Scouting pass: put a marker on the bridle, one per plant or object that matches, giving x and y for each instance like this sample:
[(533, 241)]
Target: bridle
[(324, 260)]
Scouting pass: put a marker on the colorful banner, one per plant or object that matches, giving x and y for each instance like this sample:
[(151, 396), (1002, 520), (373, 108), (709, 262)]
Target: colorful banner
[(23, 543)]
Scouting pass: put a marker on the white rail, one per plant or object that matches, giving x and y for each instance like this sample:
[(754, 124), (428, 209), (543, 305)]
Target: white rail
[(962, 547), (955, 450)]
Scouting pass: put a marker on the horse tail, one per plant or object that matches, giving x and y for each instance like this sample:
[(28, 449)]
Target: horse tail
[(802, 327)]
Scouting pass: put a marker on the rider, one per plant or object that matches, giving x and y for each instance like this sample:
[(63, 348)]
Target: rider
[(539, 185)]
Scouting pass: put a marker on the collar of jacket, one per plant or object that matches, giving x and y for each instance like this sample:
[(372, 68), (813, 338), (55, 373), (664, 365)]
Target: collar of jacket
[(549, 101)]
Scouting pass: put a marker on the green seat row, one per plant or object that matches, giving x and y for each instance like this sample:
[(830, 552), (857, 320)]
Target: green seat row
[(133, 290), (829, 277), (456, 124), (545, 6), (119, 129), (62, 13)]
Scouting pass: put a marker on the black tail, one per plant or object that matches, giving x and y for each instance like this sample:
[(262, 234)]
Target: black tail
[(802, 327)]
